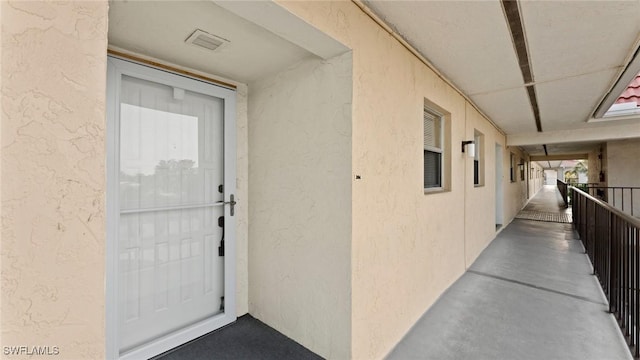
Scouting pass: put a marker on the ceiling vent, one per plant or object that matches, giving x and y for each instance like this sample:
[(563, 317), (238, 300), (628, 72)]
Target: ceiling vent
[(206, 40)]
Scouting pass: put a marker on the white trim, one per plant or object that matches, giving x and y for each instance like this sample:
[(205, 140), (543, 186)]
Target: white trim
[(177, 338), (112, 204), (117, 68)]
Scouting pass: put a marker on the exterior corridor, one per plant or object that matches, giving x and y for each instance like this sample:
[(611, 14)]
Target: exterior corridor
[(530, 295)]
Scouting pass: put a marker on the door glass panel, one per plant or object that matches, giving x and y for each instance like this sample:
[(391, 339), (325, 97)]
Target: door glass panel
[(171, 164)]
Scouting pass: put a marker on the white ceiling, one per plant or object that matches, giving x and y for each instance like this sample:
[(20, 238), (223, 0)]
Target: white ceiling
[(577, 50), (159, 28)]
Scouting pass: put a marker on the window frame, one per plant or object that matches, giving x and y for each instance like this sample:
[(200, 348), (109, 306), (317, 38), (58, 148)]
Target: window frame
[(438, 150), (478, 159), (512, 172)]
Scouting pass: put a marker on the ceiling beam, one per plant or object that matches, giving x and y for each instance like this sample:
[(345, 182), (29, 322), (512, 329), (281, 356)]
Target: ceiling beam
[(592, 134), (559, 157)]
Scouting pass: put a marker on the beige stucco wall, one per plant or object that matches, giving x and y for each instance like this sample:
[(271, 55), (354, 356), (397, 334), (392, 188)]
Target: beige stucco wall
[(300, 203), (391, 250), (408, 247), (516, 196), (53, 176), (480, 224), (623, 165), (536, 178)]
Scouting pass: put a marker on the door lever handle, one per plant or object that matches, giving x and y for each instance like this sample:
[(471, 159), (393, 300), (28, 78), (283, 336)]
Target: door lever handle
[(231, 202)]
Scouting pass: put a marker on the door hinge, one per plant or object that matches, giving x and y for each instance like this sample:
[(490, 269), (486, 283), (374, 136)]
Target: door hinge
[(222, 303)]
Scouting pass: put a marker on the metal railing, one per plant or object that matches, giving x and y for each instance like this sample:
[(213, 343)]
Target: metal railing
[(625, 198), (612, 241), (564, 191)]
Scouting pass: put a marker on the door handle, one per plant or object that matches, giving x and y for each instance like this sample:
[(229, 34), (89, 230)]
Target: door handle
[(231, 202)]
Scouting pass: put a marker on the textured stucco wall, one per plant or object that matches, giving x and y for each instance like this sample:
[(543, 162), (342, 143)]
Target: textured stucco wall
[(300, 203), (53, 176), (536, 179), (408, 247), (479, 223), (391, 250), (516, 196), (623, 165)]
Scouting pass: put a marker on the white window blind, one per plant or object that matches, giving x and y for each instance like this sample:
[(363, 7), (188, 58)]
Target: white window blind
[(476, 159), (432, 131), (432, 149)]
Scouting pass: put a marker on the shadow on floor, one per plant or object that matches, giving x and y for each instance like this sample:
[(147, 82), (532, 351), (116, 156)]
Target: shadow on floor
[(247, 338)]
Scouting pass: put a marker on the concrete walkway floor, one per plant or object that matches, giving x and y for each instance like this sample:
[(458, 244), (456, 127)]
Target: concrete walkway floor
[(530, 295)]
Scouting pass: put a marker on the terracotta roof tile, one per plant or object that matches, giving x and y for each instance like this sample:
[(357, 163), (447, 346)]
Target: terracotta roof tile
[(632, 93)]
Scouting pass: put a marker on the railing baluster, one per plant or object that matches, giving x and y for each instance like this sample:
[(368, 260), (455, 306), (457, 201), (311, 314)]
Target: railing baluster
[(633, 326), (636, 304), (632, 210), (625, 282), (611, 239), (615, 195), (613, 301)]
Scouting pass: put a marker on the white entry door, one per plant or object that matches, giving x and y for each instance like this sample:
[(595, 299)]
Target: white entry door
[(172, 174)]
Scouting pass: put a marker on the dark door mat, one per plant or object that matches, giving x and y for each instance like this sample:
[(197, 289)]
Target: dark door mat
[(247, 338)]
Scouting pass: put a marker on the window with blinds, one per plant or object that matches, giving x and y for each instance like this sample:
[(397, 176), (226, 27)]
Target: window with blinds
[(433, 149), (478, 159), (512, 167)]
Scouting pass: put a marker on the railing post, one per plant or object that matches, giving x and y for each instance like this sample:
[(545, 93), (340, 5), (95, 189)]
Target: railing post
[(563, 188)]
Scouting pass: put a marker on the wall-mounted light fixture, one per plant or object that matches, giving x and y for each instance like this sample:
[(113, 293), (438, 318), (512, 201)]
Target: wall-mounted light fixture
[(521, 167), (471, 148)]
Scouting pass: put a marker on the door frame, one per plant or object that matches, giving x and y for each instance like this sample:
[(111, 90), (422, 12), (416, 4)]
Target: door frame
[(499, 198), (116, 67)]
